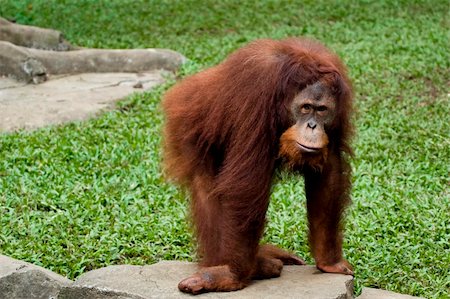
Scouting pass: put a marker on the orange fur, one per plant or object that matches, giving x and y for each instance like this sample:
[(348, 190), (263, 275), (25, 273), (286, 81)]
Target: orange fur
[(293, 158), (222, 141)]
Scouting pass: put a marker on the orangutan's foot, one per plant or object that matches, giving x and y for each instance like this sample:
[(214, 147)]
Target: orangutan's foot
[(342, 267), (270, 260), (210, 279)]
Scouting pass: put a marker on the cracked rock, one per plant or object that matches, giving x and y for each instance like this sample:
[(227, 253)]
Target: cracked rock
[(160, 281), (23, 280)]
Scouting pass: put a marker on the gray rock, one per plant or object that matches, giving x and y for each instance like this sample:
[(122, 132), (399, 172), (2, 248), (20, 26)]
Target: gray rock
[(369, 293), (160, 281), (33, 65), (33, 37), (67, 98), (23, 280)]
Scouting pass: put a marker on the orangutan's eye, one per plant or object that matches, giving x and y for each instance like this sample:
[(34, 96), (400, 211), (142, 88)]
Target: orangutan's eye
[(306, 109)]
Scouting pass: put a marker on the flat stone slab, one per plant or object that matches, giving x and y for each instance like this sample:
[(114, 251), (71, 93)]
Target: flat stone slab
[(67, 98), (23, 280), (161, 280), (369, 293)]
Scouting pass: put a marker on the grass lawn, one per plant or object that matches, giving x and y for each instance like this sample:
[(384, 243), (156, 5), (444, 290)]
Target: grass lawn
[(90, 194)]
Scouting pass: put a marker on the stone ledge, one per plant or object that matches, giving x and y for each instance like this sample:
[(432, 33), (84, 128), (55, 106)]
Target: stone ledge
[(160, 281), (23, 280)]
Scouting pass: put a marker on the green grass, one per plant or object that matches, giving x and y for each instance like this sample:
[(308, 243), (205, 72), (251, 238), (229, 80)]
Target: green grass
[(90, 194)]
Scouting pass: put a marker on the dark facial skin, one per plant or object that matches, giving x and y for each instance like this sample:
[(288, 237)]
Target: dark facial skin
[(314, 110)]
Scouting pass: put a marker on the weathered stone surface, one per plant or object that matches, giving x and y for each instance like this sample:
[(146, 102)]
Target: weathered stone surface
[(93, 78), (23, 280), (68, 98), (369, 293), (33, 65), (160, 281)]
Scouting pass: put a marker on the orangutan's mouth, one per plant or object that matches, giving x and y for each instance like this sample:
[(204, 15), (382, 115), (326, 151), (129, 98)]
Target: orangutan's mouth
[(308, 149)]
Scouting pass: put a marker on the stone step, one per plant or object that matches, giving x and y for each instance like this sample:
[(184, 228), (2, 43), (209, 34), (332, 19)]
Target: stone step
[(160, 281), (21, 280)]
